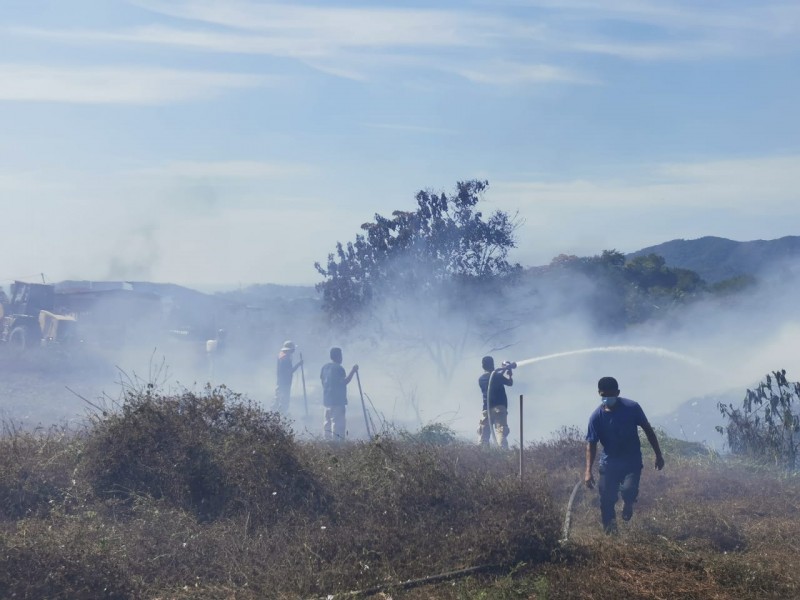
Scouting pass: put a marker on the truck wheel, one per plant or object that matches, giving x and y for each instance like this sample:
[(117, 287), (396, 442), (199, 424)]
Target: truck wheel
[(18, 339)]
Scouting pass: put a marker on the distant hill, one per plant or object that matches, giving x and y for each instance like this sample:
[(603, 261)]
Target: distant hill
[(716, 259), (696, 419)]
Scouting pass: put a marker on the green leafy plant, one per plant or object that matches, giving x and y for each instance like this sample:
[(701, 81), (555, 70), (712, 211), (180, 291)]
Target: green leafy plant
[(767, 424)]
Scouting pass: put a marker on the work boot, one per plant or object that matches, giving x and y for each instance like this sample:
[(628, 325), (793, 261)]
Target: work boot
[(627, 511)]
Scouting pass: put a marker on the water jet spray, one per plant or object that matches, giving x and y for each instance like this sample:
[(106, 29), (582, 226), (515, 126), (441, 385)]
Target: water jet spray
[(624, 349)]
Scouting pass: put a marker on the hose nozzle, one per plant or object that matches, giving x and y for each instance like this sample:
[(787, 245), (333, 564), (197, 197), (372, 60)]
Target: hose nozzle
[(509, 365)]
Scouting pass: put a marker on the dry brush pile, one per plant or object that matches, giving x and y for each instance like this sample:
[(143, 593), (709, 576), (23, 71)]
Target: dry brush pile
[(208, 496)]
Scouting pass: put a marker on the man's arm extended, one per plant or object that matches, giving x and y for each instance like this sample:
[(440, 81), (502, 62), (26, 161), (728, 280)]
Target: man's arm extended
[(349, 377), (651, 437), (591, 453)]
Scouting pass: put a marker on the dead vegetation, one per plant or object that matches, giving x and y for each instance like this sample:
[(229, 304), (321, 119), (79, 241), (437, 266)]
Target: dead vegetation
[(207, 496)]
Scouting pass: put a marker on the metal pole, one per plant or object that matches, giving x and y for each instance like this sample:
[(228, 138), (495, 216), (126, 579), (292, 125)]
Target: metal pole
[(303, 378), (363, 406), (521, 442)]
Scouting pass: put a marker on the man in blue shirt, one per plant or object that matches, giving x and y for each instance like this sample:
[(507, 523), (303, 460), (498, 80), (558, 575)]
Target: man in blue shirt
[(614, 424), (334, 395)]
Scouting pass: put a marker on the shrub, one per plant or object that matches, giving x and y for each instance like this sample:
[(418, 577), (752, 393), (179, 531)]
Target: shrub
[(767, 425), (214, 454), (35, 471), (67, 561), (406, 510), (436, 434)]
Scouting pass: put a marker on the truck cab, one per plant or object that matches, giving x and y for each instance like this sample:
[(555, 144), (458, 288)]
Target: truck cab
[(29, 319)]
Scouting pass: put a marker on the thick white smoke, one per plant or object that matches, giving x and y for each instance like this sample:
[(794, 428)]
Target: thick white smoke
[(420, 359)]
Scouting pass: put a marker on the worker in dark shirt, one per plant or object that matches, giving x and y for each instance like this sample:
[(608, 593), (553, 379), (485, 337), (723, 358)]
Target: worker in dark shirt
[(614, 424), (493, 384), (283, 389), (334, 395)]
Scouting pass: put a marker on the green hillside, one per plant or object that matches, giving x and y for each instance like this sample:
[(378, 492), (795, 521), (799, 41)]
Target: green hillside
[(716, 259)]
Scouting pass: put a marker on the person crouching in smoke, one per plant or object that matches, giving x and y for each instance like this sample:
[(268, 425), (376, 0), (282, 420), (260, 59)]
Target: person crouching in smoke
[(493, 384)]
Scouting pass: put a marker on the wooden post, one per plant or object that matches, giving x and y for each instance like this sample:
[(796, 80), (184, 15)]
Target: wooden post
[(521, 441)]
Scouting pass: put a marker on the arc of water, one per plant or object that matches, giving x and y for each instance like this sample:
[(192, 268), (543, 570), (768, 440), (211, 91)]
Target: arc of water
[(631, 349)]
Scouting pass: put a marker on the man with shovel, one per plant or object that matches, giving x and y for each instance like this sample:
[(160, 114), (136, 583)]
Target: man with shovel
[(283, 390), (334, 395)]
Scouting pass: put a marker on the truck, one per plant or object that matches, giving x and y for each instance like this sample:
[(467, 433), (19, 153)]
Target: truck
[(29, 317)]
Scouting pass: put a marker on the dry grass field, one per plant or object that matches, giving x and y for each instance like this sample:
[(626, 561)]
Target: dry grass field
[(201, 496)]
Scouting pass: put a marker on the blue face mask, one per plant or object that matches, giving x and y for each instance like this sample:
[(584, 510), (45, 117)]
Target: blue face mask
[(609, 401)]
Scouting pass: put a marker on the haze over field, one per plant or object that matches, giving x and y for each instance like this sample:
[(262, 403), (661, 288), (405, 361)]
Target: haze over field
[(217, 145), (208, 145), (420, 366), (711, 348)]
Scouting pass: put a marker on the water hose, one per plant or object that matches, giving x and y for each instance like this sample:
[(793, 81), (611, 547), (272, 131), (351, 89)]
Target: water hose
[(412, 583), (488, 401), (568, 515), (489, 407)]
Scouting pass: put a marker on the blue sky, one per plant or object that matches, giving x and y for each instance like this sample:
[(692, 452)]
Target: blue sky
[(225, 143)]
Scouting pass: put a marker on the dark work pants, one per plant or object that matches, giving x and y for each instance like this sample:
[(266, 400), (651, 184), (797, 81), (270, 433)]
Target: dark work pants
[(616, 480)]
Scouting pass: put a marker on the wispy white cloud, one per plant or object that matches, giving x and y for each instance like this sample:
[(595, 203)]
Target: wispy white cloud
[(757, 184), (116, 85), (14, 183), (681, 50), (353, 43), (704, 27), (230, 170), (343, 27), (676, 29), (180, 221), (512, 73), (339, 57), (738, 198), (286, 44), (488, 45), (411, 128), (226, 221), (742, 185), (773, 17)]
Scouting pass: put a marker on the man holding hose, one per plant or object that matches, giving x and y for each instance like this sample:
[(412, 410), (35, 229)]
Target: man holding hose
[(495, 401), (614, 424)]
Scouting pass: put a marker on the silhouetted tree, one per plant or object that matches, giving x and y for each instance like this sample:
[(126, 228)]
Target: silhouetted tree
[(443, 245)]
